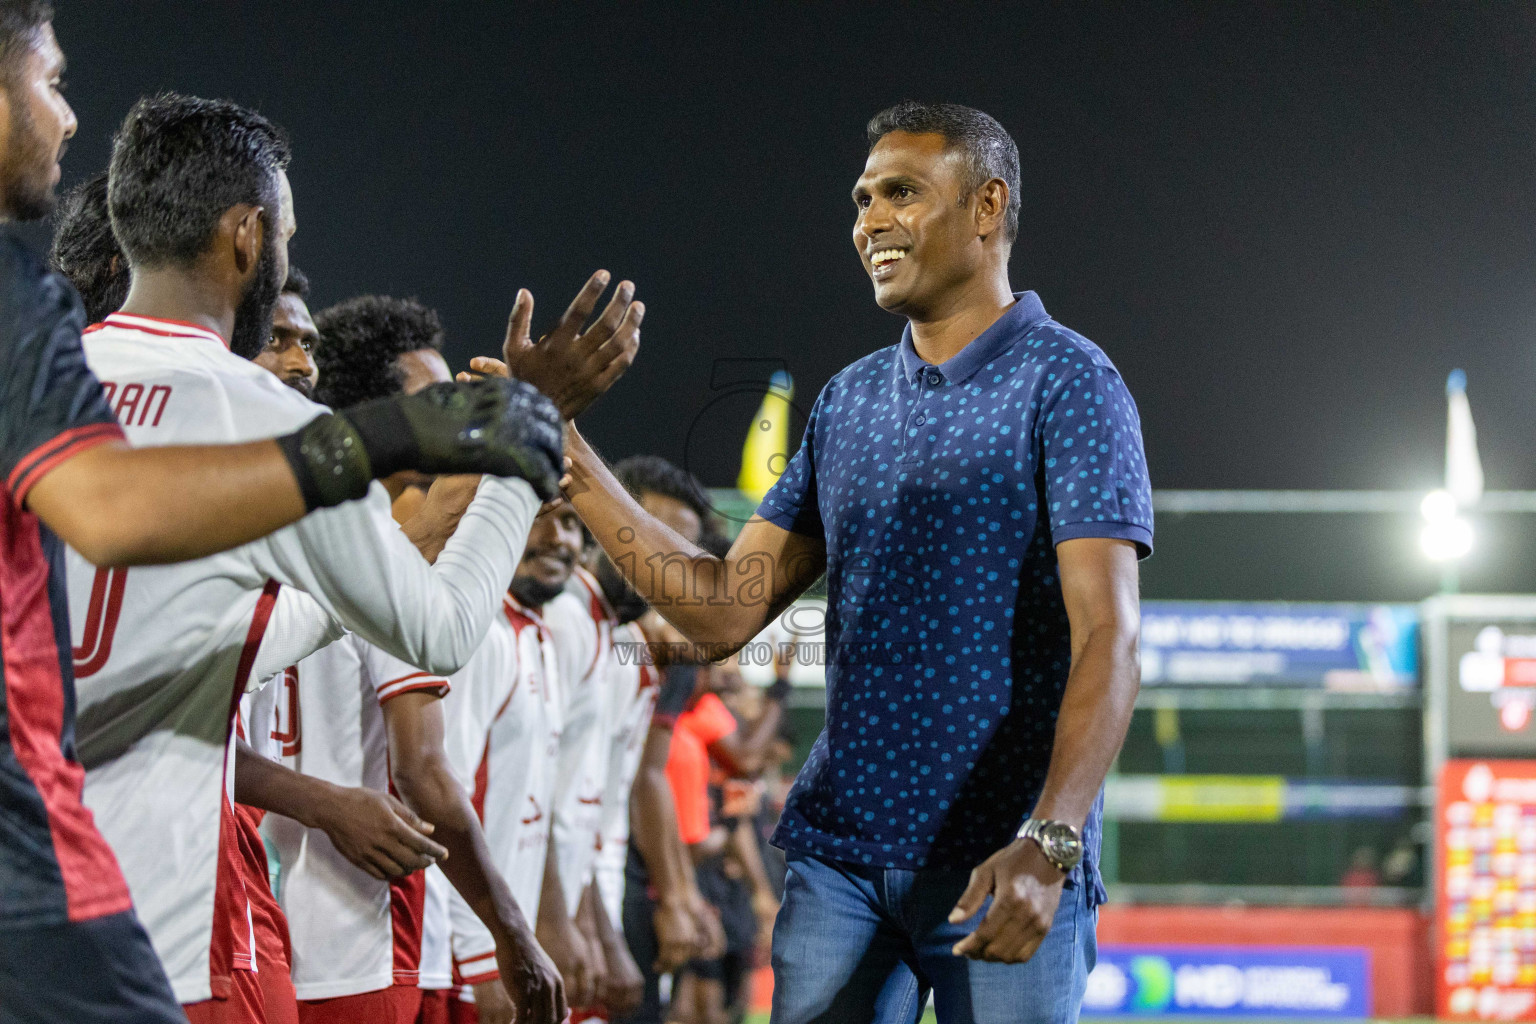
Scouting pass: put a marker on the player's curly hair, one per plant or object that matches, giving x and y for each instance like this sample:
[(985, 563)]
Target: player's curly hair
[(361, 340), (85, 250)]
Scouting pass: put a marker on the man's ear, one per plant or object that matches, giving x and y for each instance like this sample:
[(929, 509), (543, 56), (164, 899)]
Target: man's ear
[(249, 234), (991, 207)]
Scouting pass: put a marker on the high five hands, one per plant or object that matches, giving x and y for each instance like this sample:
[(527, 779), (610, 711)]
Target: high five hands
[(571, 366)]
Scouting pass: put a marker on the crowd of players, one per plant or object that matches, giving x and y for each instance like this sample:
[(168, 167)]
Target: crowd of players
[(436, 704)]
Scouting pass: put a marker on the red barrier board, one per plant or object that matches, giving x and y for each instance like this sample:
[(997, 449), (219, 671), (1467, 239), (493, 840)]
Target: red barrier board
[(1485, 891), (1397, 940)]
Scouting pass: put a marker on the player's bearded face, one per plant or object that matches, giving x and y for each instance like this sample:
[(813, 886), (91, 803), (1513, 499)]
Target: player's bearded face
[(38, 126), (253, 317), (627, 603), (26, 173)]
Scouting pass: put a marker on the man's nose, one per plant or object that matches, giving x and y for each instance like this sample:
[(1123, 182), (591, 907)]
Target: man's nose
[(876, 217), (71, 124), (300, 363)]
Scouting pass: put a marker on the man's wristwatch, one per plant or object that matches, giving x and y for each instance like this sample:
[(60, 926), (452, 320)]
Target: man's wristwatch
[(1061, 843)]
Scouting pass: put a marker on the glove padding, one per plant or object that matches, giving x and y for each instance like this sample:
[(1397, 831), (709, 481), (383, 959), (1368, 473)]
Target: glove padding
[(499, 426)]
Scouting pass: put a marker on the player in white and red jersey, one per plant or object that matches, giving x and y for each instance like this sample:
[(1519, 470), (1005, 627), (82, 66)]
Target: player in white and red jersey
[(351, 933), (505, 726), (157, 703)]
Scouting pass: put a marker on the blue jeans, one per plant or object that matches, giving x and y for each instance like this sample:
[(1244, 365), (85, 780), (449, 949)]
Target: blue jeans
[(861, 945)]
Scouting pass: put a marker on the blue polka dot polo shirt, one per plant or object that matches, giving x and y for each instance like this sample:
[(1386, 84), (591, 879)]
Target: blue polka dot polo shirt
[(941, 491)]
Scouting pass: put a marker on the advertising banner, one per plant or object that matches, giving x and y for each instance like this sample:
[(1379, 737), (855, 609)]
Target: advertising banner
[(1335, 646), (1230, 982), (1485, 947)]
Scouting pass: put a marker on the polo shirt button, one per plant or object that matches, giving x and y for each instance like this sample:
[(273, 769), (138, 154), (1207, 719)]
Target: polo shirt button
[(921, 419), (933, 376)]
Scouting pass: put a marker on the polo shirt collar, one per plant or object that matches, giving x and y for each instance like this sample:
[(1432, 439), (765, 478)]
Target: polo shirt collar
[(1025, 313)]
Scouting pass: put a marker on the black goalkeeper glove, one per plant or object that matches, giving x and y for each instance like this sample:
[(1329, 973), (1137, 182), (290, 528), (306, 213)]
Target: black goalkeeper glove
[(497, 425)]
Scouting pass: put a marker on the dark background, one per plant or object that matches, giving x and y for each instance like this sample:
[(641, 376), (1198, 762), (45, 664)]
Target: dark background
[(1285, 224)]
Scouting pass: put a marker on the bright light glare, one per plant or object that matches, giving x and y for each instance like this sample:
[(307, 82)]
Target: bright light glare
[(1438, 507), (1447, 540)]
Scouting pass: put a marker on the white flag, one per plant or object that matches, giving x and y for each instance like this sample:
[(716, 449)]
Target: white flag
[(1463, 469)]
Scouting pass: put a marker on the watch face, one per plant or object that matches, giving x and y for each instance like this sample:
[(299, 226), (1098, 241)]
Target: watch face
[(1063, 843)]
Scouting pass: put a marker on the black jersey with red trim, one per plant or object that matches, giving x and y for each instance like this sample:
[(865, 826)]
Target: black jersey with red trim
[(54, 864)]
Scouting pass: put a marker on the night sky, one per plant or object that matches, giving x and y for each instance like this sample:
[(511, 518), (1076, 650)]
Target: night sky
[(1284, 224)]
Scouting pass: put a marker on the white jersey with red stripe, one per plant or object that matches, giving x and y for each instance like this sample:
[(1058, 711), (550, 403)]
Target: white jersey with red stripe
[(162, 653), (503, 728), (351, 932), (633, 686), (581, 624)]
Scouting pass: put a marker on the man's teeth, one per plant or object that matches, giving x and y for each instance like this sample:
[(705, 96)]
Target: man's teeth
[(888, 256)]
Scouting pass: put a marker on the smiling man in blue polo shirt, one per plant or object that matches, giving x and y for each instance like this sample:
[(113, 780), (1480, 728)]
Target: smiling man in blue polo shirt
[(977, 496)]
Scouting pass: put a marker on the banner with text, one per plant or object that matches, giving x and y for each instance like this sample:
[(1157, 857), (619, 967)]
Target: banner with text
[(1334, 646), (1296, 982)]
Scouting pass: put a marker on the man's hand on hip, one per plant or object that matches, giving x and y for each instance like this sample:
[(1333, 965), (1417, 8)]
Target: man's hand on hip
[(1025, 889)]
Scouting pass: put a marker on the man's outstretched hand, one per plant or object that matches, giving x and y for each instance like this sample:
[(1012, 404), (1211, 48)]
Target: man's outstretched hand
[(568, 364)]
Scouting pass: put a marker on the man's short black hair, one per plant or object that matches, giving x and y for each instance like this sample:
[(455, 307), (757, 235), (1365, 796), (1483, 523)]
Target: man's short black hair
[(297, 283), (20, 21), (643, 474), (85, 251), (178, 163), (360, 341), (989, 149)]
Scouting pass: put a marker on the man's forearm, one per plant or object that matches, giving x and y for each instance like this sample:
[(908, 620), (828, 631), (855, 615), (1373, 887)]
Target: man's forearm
[(653, 830), (270, 786), (435, 795), (720, 603), (1090, 728), (138, 506), (636, 541)]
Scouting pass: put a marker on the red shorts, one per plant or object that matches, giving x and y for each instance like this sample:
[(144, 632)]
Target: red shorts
[(460, 1012), (398, 1004), (434, 1006), (246, 1003)]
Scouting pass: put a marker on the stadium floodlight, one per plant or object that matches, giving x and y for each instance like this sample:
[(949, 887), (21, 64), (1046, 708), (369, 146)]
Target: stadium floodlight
[(1446, 537), (1438, 506)]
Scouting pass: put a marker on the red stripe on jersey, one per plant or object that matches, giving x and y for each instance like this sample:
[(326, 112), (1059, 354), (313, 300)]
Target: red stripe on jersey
[(274, 947), (34, 681), (139, 322), (436, 686), (63, 446), (407, 912), (231, 905), (412, 683), (229, 947)]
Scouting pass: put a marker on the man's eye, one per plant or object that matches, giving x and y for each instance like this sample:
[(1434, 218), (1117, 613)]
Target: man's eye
[(902, 192), (862, 202)]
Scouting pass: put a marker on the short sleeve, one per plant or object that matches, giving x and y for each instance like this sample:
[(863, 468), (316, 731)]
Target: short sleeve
[(677, 683), (1094, 466), (51, 405), (713, 721), (391, 677), (792, 502)]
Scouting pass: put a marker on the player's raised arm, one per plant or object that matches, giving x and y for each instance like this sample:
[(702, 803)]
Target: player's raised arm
[(123, 506), (720, 602)]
